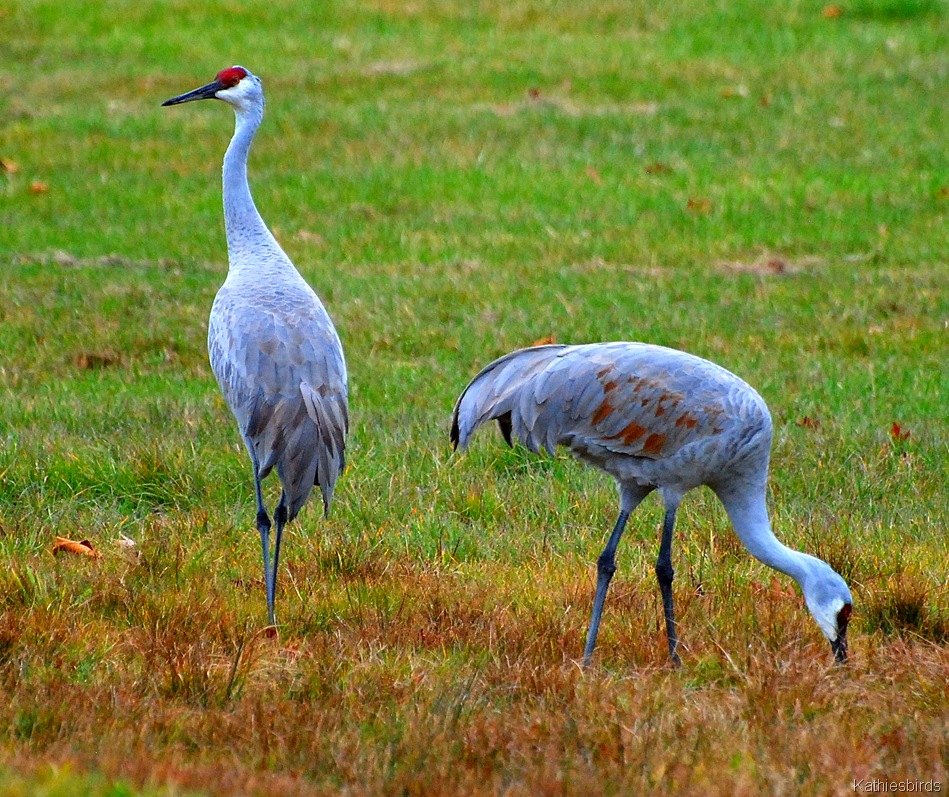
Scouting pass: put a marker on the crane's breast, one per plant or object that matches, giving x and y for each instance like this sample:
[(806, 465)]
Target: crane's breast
[(262, 351)]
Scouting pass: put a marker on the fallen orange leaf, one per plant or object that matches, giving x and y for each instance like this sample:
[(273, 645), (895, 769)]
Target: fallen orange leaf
[(83, 547), (8, 166), (38, 187), (545, 341), (832, 12)]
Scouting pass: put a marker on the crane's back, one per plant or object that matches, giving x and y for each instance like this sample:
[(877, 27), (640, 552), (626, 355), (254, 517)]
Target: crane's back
[(638, 411)]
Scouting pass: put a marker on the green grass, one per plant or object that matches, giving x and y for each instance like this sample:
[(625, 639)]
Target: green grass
[(761, 184)]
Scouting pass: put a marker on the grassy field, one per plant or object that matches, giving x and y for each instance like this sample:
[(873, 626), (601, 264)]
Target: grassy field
[(765, 185)]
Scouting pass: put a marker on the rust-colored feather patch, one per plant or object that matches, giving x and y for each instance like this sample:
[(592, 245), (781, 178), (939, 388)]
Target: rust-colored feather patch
[(653, 444), (687, 420), (605, 410), (629, 433)]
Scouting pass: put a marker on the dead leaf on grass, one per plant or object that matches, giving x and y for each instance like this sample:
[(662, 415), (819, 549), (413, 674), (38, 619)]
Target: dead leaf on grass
[(92, 360), (658, 168), (545, 341), (699, 205), (9, 166), (83, 547), (809, 423), (39, 187), (831, 12), (899, 433)]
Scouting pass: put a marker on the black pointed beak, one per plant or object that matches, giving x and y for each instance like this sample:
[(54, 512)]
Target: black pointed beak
[(203, 93), (839, 646)]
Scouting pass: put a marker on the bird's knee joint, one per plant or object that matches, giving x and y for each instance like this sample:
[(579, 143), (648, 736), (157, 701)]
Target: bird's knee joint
[(280, 515), (605, 566), (263, 521), (664, 572)]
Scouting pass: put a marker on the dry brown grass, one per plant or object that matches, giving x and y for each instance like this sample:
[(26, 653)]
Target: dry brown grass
[(436, 681)]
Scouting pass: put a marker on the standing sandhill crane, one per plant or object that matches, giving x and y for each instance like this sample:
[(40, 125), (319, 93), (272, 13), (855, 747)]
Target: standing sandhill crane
[(652, 418), (273, 348)]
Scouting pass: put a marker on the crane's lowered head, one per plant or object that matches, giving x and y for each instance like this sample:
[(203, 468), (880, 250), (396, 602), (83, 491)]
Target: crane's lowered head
[(828, 598), (236, 86)]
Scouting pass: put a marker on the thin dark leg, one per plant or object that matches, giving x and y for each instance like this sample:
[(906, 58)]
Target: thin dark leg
[(605, 567), (630, 498), (280, 518), (665, 574), (263, 526)]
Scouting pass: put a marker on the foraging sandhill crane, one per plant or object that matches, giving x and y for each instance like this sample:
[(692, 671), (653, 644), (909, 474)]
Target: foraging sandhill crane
[(272, 345), (654, 419)]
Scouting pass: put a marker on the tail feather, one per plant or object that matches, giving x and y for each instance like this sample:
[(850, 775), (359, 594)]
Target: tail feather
[(331, 417), (504, 391)]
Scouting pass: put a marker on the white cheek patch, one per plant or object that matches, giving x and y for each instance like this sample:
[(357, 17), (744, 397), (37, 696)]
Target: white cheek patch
[(827, 617), (831, 620)]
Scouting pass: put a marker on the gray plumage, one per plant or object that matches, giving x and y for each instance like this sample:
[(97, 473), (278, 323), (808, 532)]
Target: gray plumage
[(272, 345), (653, 418), (284, 384)]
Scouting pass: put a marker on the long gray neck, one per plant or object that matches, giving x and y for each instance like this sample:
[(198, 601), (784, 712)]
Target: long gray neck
[(249, 242), (749, 515)]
